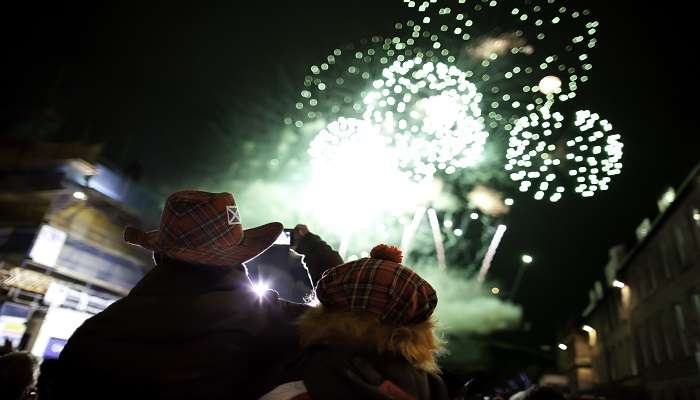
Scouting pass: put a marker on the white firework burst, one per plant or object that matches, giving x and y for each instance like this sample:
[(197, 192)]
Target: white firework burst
[(431, 114), (547, 157)]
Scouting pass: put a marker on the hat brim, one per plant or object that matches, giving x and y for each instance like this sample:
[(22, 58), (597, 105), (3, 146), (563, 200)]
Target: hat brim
[(255, 241)]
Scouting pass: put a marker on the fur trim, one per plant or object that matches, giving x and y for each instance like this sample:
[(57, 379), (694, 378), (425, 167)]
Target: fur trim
[(417, 343)]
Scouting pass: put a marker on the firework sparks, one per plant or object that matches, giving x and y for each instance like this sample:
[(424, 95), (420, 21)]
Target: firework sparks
[(393, 113), (542, 152), (491, 252), (431, 113), (350, 155), (518, 55), (437, 238), (409, 231), (509, 48)]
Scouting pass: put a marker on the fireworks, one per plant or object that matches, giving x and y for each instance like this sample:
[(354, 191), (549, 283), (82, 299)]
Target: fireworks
[(491, 252), (355, 177), (429, 110), (584, 156), (343, 137), (431, 113), (519, 53), (397, 113), (518, 58), (335, 87)]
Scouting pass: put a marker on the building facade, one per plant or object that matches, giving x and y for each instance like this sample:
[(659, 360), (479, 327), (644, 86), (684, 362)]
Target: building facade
[(62, 255), (641, 331)]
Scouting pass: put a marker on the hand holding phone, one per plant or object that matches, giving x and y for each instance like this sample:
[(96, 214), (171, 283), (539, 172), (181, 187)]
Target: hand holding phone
[(300, 231), (282, 269)]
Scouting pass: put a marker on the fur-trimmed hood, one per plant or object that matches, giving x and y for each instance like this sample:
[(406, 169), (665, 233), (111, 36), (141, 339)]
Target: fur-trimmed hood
[(417, 343)]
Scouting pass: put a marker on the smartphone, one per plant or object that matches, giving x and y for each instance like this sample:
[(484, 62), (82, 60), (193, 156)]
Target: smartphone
[(286, 238)]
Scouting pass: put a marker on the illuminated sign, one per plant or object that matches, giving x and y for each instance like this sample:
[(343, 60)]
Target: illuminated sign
[(59, 324), (47, 245), (12, 328), (13, 319)]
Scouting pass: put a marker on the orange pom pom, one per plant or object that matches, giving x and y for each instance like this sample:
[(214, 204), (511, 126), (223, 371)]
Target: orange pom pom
[(385, 252)]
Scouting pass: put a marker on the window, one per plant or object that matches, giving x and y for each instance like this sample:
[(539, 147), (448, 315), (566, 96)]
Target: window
[(621, 305), (695, 299), (680, 326), (667, 340), (667, 254), (657, 257), (654, 339), (686, 234), (647, 271), (679, 236), (643, 346), (634, 369), (613, 310), (613, 362), (695, 222), (651, 269), (643, 280)]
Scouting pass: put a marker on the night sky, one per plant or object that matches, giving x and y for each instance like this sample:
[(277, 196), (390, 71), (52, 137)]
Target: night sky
[(149, 82)]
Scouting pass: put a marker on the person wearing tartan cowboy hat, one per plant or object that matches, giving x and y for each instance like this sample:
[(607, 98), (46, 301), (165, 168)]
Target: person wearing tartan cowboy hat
[(373, 311), (204, 228), (192, 327)]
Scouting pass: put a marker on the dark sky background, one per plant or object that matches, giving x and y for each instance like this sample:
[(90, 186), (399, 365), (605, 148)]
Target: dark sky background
[(149, 80)]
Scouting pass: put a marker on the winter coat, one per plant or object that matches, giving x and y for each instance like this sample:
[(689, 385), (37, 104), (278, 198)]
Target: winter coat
[(340, 373), (186, 332)]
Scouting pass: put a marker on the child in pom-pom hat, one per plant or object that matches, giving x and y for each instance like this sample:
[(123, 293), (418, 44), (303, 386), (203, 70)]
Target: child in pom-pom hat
[(372, 335)]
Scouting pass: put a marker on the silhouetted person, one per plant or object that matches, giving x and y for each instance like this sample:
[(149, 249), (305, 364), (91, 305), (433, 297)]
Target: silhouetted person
[(16, 375), (372, 335), (193, 327), (45, 382)]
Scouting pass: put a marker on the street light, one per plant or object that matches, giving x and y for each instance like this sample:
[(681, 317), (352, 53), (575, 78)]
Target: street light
[(618, 284), (592, 334), (78, 195), (495, 290), (562, 347), (525, 259)]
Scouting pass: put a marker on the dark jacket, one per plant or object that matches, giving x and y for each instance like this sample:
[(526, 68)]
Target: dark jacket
[(337, 373), (185, 332)]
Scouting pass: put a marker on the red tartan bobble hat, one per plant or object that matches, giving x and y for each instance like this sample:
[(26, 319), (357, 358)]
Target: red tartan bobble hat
[(205, 228), (378, 285)]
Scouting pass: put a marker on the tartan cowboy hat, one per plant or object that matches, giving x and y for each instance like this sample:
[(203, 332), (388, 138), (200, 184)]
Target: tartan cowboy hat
[(378, 285), (204, 228)]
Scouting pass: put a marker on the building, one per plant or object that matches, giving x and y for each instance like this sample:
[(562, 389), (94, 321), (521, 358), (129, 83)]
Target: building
[(62, 256), (640, 334), (575, 359)]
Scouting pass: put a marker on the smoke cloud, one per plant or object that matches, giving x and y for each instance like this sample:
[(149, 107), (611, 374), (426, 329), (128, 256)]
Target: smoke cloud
[(465, 306)]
